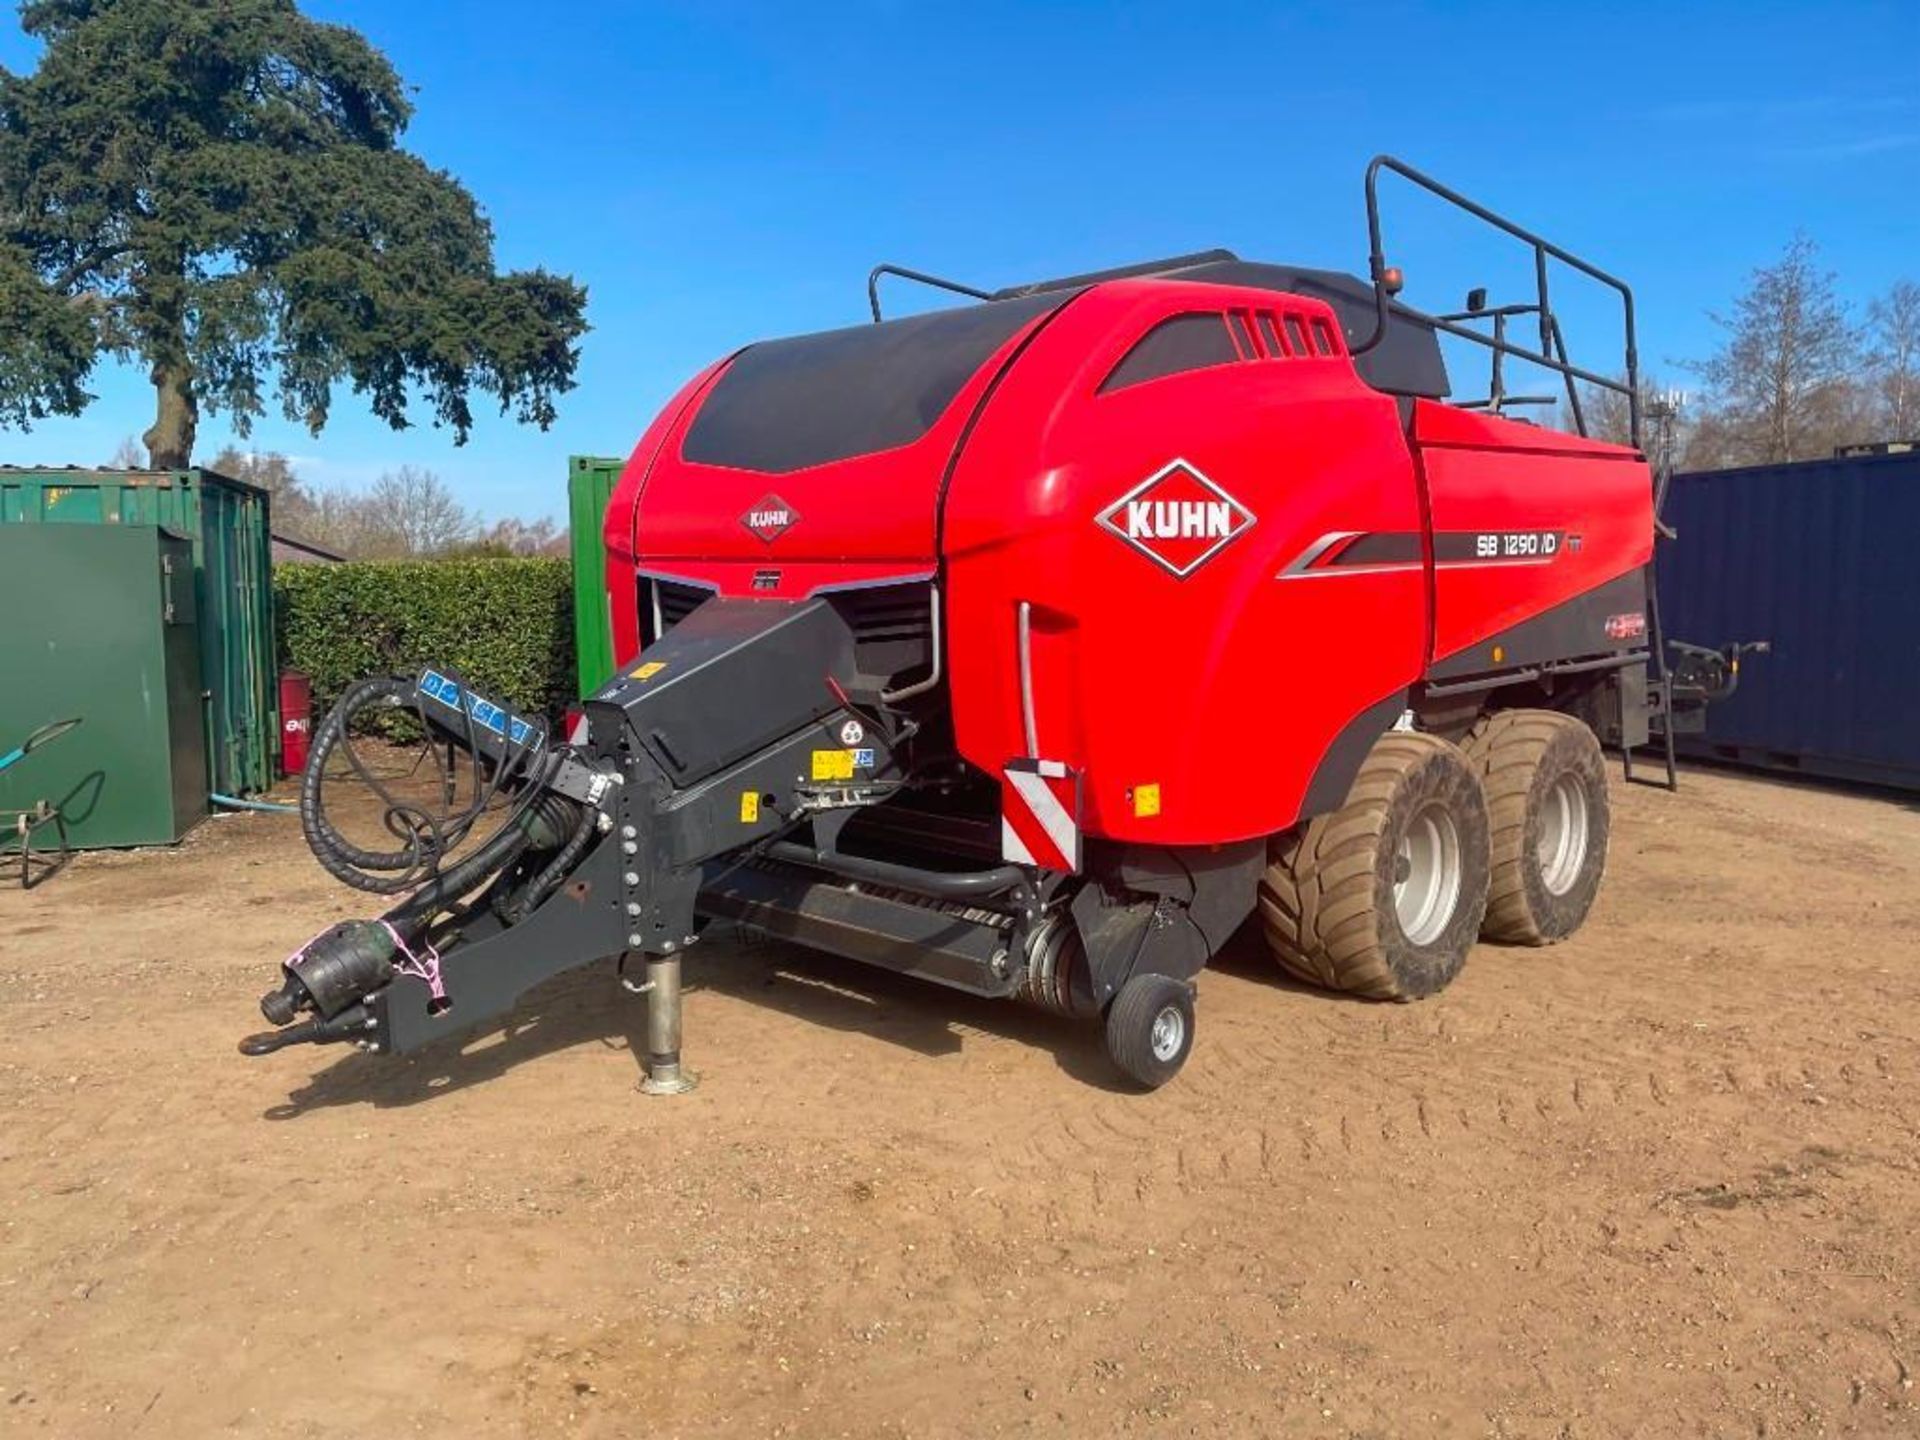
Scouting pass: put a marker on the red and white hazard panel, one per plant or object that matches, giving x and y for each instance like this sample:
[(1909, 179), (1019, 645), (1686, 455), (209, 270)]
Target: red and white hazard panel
[(1040, 814)]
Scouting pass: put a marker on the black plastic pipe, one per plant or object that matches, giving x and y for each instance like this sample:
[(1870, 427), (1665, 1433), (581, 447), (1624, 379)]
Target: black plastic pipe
[(940, 884)]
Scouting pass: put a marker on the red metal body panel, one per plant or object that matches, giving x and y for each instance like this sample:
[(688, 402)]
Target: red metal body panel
[(1223, 688), (1486, 476), (623, 507), (1197, 692), (857, 520)]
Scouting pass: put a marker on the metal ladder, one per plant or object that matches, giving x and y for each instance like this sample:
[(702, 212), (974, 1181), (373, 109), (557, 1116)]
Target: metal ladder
[(1659, 671), (1659, 696)]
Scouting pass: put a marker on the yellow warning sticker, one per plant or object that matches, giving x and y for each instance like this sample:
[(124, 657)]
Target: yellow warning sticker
[(833, 764), (749, 807), (1146, 801), (648, 670)]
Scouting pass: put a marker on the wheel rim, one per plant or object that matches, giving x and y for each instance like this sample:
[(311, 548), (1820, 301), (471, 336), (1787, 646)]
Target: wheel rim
[(1562, 846), (1427, 875), (1169, 1033)]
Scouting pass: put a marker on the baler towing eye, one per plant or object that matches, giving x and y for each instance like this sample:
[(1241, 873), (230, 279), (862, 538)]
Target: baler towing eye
[(351, 1025)]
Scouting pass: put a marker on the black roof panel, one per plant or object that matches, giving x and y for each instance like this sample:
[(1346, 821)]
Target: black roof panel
[(1407, 360), (810, 400)]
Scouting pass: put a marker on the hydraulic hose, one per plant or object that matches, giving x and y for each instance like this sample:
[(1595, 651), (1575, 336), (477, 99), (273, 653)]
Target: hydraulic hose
[(341, 858), (557, 869), (541, 834), (427, 838), (267, 807), (537, 827)]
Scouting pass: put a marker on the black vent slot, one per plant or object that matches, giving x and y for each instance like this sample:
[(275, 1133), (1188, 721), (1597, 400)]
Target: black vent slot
[(665, 603), (892, 629), (678, 601)]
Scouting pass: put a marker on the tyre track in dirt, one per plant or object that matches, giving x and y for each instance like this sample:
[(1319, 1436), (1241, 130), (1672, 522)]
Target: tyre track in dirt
[(1666, 1169)]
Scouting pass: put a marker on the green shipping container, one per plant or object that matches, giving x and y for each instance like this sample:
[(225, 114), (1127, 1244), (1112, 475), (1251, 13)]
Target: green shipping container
[(102, 625), (230, 529), (590, 482)]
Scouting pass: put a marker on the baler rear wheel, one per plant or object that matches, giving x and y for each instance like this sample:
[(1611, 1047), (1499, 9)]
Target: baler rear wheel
[(1150, 1029), (1384, 896), (1546, 785)]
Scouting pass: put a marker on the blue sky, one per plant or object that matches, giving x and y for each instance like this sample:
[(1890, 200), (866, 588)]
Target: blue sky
[(717, 172)]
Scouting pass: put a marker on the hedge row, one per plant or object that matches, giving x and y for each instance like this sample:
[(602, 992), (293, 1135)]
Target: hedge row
[(505, 624)]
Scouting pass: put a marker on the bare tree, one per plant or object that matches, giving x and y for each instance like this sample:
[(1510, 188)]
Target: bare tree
[(1782, 381), (1607, 414), (517, 537), (1711, 444), (1893, 323), (407, 514), (343, 521), (273, 473), (130, 454), (294, 509), (412, 513)]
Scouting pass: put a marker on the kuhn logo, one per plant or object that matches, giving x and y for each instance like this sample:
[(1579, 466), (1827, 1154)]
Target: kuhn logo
[(770, 518), (1177, 518)]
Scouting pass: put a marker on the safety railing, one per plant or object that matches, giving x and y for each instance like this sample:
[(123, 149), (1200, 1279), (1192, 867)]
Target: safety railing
[(919, 277), (1552, 353)]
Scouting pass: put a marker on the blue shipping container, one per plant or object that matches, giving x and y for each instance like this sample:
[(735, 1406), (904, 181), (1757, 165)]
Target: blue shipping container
[(1819, 557)]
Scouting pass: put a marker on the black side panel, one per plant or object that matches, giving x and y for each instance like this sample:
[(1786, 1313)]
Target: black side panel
[(1163, 910), (1406, 361), (734, 676), (813, 399), (1333, 776), (841, 919), (492, 967), (1575, 629), (1175, 345), (1383, 547)]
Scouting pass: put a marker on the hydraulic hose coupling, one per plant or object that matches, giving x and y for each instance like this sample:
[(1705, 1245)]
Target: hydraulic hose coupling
[(336, 969)]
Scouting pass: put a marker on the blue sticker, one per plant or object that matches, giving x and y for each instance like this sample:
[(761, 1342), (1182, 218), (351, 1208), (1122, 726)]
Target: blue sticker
[(438, 687), (863, 759)]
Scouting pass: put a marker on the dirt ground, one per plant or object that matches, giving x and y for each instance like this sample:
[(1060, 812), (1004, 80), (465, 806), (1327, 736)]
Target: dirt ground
[(1661, 1180)]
